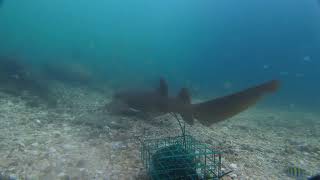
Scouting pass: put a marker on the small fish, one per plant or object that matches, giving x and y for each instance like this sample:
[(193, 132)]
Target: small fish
[(296, 172), (299, 75), (284, 73), (227, 85), (266, 66), (92, 44), (291, 105), (307, 59), (315, 177)]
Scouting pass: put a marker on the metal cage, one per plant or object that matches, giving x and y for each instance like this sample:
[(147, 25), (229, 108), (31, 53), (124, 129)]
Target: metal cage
[(180, 157)]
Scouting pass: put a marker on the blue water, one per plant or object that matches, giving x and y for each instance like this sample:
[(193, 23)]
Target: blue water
[(202, 44)]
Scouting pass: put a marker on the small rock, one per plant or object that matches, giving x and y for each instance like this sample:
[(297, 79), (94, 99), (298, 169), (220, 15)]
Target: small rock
[(56, 134), (66, 128), (21, 145), (99, 172), (35, 144), (68, 146), (52, 150), (75, 178), (9, 103), (233, 176), (113, 156), (44, 166), (118, 145), (81, 163), (13, 168), (302, 162), (233, 166), (117, 125), (34, 152), (5, 162), (61, 174), (82, 169), (226, 178), (65, 177)]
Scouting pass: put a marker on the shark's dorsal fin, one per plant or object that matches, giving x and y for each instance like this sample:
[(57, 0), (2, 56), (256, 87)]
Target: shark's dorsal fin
[(219, 109), (163, 88)]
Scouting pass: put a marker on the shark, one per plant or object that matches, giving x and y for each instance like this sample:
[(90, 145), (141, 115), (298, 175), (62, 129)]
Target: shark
[(158, 102)]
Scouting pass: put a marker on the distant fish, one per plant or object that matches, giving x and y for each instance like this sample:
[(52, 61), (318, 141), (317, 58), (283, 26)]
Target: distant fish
[(299, 75), (92, 44), (227, 85), (292, 105), (149, 61), (284, 73), (296, 172), (307, 58), (266, 66)]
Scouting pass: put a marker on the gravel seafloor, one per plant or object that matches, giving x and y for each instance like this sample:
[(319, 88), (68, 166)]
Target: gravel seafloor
[(77, 140)]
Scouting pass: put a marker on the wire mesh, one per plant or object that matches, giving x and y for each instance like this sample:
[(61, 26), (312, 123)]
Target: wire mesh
[(180, 157)]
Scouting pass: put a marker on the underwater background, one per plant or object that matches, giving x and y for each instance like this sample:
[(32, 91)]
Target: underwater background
[(204, 44), (212, 47)]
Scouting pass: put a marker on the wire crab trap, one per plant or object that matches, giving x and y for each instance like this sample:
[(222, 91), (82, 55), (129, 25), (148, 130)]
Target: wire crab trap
[(181, 158)]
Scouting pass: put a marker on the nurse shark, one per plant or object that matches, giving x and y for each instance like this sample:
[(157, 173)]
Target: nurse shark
[(208, 112)]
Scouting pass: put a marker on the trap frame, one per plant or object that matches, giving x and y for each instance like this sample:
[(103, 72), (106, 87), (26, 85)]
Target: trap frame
[(181, 157)]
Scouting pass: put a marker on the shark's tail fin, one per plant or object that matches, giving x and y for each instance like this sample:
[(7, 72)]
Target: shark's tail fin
[(185, 109), (219, 109)]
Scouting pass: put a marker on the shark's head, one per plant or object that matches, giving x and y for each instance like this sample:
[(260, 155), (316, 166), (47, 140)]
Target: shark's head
[(154, 101)]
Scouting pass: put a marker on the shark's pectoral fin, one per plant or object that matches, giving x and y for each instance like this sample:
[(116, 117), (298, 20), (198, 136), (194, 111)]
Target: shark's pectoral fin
[(184, 106), (219, 109)]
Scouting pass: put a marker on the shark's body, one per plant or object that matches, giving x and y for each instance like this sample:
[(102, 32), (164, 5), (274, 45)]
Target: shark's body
[(208, 112), (129, 102)]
